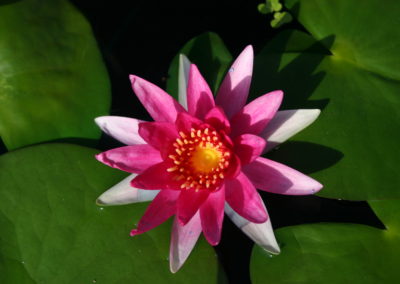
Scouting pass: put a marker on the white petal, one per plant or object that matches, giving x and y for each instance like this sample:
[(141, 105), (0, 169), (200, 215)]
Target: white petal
[(124, 193), (261, 234), (183, 240), (286, 124), (183, 77), (124, 129)]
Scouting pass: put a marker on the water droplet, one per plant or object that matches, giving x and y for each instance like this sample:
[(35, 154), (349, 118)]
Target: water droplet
[(140, 251), (101, 208), (190, 232), (94, 281), (313, 190), (270, 255), (231, 69), (167, 258), (23, 262)]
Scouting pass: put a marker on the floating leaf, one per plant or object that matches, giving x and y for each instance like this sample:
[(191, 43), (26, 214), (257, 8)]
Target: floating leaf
[(334, 253), (52, 78), (209, 53), (356, 84), (53, 232)]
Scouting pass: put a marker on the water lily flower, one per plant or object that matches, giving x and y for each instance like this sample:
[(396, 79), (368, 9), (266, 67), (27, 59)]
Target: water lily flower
[(201, 157)]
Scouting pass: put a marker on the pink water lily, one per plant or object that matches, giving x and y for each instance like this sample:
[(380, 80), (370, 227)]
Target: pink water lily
[(201, 157)]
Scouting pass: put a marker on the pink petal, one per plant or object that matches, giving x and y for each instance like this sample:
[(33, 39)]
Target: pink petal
[(212, 216), (199, 96), (242, 196), (232, 94), (189, 203), (274, 177), (156, 177), (234, 167), (183, 240), (185, 122), (262, 234), (159, 210), (124, 129), (160, 135), (161, 106), (255, 116), (286, 124), (248, 147), (124, 193), (217, 118), (132, 159)]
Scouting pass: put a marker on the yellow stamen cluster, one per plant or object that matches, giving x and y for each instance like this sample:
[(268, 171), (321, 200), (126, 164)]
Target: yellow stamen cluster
[(200, 159)]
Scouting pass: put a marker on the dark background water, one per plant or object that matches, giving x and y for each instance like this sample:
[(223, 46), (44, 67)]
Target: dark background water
[(142, 37)]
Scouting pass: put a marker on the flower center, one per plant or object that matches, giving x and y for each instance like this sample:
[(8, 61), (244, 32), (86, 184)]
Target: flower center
[(200, 159)]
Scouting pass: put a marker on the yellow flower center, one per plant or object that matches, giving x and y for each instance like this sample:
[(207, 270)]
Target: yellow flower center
[(205, 158), (200, 159)]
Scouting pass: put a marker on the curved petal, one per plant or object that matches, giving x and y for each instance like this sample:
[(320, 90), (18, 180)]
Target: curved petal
[(132, 159), (199, 96), (248, 147), (183, 78), (255, 116), (183, 240), (262, 234), (274, 177), (189, 203), (156, 177), (217, 119), (162, 207), (124, 193), (242, 196), (185, 122), (212, 216), (161, 106), (232, 94), (160, 135), (124, 129), (287, 123)]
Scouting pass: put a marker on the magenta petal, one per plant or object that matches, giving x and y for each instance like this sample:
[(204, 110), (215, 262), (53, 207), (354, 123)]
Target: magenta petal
[(183, 239), (232, 94), (124, 129), (156, 177), (212, 216), (217, 118), (248, 147), (160, 135), (255, 116), (199, 96), (161, 106), (160, 209), (132, 159), (234, 167), (185, 122), (242, 196), (189, 203), (274, 177)]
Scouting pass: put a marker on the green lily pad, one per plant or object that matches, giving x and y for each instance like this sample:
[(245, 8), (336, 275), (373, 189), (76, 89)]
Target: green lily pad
[(209, 53), (53, 81), (334, 253), (53, 232), (356, 84)]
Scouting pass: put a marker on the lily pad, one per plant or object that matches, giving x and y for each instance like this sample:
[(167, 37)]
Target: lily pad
[(53, 81), (356, 83), (334, 253), (53, 232), (209, 53)]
